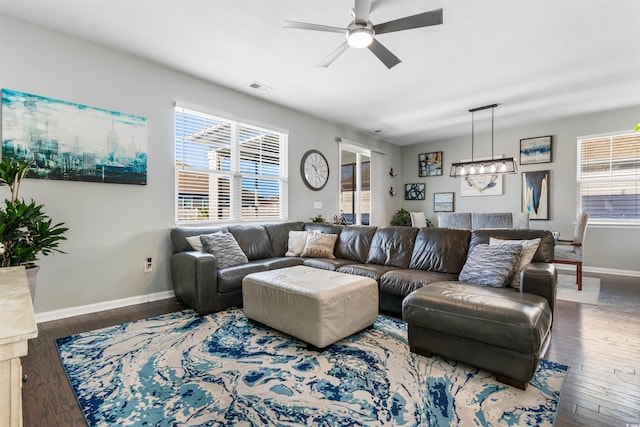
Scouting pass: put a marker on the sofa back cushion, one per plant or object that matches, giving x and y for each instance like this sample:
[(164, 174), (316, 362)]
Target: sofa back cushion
[(253, 240), (354, 243), (441, 250), (179, 236), (279, 235), (544, 253), (323, 227), (392, 246)]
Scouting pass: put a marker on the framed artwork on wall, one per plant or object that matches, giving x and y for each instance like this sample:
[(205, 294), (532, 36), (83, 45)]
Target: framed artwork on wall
[(481, 185), (414, 191), (443, 202), (535, 150), (73, 142), (535, 194), (430, 164)]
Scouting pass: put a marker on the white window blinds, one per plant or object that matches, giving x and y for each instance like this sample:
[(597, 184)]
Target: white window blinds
[(609, 177), (228, 171)]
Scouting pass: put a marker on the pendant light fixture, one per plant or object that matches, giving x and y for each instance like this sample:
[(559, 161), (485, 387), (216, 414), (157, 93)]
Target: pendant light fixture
[(483, 167)]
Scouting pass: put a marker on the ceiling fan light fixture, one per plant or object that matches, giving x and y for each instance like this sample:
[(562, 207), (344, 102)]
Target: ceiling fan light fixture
[(359, 36)]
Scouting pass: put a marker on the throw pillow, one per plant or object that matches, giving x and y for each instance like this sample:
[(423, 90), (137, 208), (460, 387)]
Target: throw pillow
[(319, 245), (225, 248), (491, 265), (297, 240), (196, 243), (529, 248)]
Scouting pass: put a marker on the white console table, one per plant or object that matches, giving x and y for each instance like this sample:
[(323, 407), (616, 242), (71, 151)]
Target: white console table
[(17, 326)]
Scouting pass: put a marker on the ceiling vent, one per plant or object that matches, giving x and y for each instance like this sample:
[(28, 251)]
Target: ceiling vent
[(260, 87)]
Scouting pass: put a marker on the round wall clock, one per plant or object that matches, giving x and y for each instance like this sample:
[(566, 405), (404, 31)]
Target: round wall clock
[(314, 169)]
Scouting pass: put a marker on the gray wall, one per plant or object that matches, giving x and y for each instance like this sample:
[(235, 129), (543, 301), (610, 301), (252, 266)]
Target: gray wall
[(113, 228), (606, 247)]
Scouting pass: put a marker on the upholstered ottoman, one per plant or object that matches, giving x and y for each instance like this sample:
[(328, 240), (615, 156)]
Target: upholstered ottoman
[(497, 329), (317, 306)]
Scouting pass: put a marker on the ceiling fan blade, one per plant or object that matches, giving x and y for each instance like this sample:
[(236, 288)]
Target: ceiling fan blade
[(333, 55), (314, 27), (384, 54), (362, 10), (425, 19)]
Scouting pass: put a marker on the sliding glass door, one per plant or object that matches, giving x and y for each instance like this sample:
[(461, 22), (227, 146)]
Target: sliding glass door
[(355, 184)]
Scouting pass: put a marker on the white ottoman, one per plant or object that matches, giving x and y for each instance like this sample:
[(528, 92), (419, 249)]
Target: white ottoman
[(317, 306)]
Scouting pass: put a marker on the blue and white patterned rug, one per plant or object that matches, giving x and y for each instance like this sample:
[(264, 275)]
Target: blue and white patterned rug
[(180, 369)]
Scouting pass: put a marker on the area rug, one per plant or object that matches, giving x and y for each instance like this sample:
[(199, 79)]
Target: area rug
[(568, 289), (181, 369)]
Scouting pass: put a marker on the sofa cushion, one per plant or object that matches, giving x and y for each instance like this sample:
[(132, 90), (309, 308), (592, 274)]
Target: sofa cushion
[(230, 278), (354, 242), (403, 282), (392, 246), (319, 245), (545, 249), (225, 248), (327, 263), (279, 235), (253, 239), (491, 265), (323, 227), (529, 248), (374, 271), (179, 236), (440, 249), (280, 262)]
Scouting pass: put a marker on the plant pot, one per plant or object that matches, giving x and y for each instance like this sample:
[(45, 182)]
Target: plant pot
[(31, 278)]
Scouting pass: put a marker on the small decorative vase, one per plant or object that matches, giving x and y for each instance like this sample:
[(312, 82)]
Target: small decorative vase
[(31, 278)]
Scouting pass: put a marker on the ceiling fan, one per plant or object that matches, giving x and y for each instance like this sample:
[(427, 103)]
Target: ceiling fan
[(361, 32)]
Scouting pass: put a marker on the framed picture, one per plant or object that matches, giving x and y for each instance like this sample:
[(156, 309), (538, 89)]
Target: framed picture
[(73, 142), (535, 194), (535, 150), (443, 202), (430, 164), (481, 185), (414, 191)]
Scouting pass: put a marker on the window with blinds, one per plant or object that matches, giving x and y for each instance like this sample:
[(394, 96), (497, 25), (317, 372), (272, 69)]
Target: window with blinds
[(228, 171), (609, 177)]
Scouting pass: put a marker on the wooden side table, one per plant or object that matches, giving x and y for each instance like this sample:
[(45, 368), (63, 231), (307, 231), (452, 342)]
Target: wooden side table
[(17, 326)]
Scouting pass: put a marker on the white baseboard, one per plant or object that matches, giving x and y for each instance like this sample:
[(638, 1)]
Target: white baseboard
[(599, 270), (63, 313)]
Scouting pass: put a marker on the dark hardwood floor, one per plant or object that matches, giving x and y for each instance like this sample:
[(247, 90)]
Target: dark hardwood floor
[(600, 343)]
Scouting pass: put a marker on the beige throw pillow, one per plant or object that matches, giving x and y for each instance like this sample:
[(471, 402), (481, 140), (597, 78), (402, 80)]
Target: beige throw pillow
[(529, 248), (196, 243), (297, 240), (319, 245)]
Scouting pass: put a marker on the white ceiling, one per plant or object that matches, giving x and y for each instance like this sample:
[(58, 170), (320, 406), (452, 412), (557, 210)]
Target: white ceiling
[(538, 60)]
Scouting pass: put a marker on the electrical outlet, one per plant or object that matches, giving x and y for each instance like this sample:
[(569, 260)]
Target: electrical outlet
[(148, 265), (317, 205)]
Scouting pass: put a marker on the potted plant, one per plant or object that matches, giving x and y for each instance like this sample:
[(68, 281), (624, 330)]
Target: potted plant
[(26, 231), (402, 217)]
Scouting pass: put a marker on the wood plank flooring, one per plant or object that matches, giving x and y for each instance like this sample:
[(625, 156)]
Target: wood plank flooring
[(600, 343)]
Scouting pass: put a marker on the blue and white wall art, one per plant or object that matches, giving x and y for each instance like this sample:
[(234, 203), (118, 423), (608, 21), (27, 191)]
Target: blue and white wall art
[(73, 142), (535, 150), (535, 194)]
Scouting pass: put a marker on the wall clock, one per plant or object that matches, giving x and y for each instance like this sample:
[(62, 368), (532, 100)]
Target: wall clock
[(314, 169)]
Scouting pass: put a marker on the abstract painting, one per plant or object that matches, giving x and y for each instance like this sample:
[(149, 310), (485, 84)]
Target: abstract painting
[(481, 185), (73, 142), (535, 150), (535, 194), (430, 164), (414, 191), (443, 202)]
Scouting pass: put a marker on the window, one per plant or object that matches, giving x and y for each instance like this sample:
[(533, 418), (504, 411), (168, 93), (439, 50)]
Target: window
[(355, 184), (228, 171), (609, 177)]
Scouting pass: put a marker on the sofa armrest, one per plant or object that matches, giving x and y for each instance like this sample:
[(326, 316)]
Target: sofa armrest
[(540, 278), (195, 282)]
